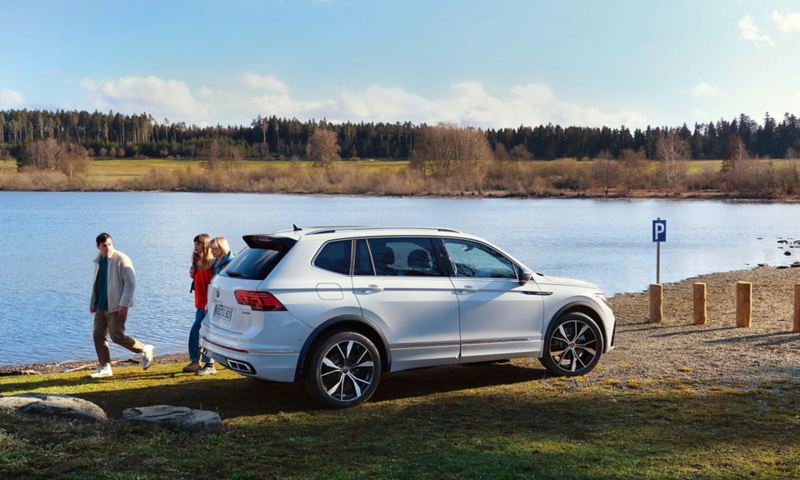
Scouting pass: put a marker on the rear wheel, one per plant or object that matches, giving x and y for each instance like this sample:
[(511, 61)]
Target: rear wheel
[(344, 370), (573, 345)]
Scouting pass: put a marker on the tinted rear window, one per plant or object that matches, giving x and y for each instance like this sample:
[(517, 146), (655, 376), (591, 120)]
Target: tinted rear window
[(405, 257), (335, 257), (253, 263)]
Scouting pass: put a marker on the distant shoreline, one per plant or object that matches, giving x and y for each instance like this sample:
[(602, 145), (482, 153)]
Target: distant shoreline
[(562, 178)]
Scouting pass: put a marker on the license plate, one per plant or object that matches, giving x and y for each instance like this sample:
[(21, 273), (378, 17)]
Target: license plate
[(222, 312)]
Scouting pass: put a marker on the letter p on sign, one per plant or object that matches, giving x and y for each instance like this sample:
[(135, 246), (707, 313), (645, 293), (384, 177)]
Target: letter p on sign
[(659, 230)]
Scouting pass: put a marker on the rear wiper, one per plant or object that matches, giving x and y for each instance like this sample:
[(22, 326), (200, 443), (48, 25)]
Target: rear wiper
[(233, 274)]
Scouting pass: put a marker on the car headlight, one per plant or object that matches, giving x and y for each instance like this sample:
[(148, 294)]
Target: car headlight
[(602, 297)]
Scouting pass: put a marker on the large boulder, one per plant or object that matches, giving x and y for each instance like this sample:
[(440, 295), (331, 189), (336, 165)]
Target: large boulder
[(11, 404), (176, 418), (54, 405)]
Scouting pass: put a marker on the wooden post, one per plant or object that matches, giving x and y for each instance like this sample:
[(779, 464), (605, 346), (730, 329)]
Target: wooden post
[(744, 306), (796, 328), (700, 314), (656, 303)]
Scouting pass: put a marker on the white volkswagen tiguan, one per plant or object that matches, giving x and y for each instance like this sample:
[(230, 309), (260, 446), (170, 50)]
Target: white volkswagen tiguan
[(336, 307)]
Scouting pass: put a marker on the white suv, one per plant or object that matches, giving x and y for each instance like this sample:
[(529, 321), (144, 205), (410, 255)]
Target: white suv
[(339, 306)]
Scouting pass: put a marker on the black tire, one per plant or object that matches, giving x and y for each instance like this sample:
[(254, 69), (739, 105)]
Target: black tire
[(343, 370), (573, 345)]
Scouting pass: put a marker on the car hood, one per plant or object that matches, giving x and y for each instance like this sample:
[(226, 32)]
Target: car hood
[(572, 282)]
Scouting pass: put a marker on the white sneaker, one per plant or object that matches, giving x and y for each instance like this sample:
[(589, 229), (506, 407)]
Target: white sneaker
[(147, 356), (102, 372)]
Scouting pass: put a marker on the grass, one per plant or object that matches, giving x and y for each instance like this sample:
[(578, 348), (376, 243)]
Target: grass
[(123, 168), (492, 421)]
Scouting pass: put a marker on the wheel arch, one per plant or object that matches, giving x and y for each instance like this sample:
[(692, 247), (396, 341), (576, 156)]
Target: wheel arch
[(585, 308), (350, 323)]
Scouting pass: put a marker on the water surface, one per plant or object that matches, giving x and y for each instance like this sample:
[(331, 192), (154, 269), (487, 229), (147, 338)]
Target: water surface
[(45, 276)]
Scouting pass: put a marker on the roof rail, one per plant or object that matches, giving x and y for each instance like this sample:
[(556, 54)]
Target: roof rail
[(334, 228)]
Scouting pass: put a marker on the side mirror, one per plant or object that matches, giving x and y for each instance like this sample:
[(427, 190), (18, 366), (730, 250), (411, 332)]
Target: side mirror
[(525, 276)]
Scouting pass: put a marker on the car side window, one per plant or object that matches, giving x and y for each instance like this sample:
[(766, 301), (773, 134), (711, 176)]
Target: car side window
[(363, 265), (472, 259), (405, 257), (335, 257)]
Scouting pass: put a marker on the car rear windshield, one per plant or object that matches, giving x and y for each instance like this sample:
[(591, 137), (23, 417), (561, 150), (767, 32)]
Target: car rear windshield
[(253, 263)]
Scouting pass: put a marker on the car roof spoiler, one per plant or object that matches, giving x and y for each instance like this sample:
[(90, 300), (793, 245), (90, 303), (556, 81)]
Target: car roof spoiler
[(266, 242)]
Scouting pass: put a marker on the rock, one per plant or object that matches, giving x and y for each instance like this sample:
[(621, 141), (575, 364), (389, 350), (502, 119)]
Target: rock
[(54, 405), (781, 267), (787, 253), (10, 404), (176, 418), (64, 406), (795, 264), (783, 241), (762, 264)]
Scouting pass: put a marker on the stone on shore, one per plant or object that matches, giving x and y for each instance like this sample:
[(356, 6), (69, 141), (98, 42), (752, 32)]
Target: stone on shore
[(176, 418), (54, 405)]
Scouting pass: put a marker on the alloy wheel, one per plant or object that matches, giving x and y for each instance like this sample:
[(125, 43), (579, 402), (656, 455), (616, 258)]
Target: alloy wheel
[(347, 371), (573, 346)]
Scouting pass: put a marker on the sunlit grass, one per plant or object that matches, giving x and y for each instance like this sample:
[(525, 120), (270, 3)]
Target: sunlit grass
[(494, 421)]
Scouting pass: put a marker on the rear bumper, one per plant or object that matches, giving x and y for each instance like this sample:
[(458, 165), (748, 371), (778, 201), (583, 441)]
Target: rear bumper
[(276, 367), (274, 364)]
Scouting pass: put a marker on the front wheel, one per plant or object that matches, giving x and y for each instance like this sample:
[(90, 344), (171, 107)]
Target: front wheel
[(573, 345), (344, 370)]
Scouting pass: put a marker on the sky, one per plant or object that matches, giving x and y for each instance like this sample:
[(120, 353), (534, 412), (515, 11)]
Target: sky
[(491, 64)]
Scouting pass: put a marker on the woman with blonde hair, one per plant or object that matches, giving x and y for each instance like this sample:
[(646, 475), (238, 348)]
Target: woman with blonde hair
[(201, 271), (222, 253)]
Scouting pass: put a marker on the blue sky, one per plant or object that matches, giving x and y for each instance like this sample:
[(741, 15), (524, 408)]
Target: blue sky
[(492, 64)]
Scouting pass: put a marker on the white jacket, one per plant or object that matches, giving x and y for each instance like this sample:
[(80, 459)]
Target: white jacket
[(121, 281)]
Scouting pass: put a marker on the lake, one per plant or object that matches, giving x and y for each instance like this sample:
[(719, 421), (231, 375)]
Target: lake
[(45, 276)]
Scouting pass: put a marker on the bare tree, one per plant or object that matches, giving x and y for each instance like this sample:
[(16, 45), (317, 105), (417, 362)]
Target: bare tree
[(221, 156), (49, 154), (322, 148), (735, 153), (444, 149), (632, 165), (521, 153), (673, 151), (605, 171)]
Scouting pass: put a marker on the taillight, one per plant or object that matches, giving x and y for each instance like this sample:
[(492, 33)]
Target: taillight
[(259, 301)]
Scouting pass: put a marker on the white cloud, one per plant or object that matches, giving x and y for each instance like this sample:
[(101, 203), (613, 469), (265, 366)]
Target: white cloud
[(787, 22), (704, 90), (750, 32), (266, 83), (159, 97), (468, 103), (10, 98)]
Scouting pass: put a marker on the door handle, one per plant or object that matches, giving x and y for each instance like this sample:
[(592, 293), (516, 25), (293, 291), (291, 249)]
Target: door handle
[(466, 289), (372, 289)]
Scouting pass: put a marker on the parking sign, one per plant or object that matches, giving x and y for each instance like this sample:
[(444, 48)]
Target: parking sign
[(659, 230)]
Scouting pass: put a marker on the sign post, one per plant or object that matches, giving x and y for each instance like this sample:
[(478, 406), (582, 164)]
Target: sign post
[(659, 235)]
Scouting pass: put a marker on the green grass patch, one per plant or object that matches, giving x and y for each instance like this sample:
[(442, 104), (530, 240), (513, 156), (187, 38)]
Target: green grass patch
[(494, 421)]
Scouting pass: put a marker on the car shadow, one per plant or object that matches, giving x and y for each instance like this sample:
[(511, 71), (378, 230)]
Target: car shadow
[(242, 396)]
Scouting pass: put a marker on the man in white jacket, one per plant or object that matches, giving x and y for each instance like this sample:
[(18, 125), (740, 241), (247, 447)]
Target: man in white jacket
[(112, 296)]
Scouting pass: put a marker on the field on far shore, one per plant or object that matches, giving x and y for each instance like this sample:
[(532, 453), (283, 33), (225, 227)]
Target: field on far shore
[(565, 177), (673, 401)]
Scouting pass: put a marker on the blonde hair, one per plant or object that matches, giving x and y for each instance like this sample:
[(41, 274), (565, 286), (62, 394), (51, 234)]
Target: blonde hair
[(203, 260), (222, 243)]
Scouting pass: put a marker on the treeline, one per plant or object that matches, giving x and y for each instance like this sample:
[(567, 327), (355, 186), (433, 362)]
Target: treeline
[(112, 135)]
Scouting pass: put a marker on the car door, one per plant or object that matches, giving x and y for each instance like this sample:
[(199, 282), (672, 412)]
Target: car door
[(401, 282), (499, 317)]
